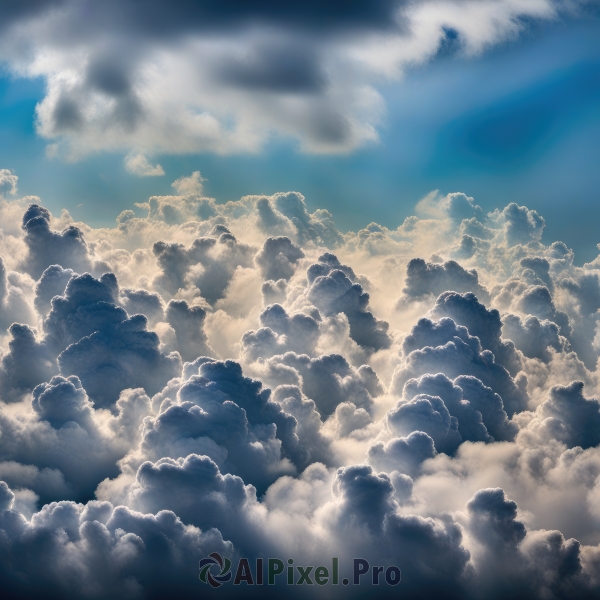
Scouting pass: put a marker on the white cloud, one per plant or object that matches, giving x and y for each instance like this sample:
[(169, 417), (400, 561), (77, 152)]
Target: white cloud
[(191, 185), (8, 182), (228, 78), (138, 164)]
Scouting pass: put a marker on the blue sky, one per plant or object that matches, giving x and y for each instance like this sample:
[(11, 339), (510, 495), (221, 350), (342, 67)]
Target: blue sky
[(520, 122)]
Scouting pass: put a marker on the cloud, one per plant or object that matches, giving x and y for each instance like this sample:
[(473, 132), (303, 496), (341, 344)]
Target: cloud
[(208, 264), (533, 337), (423, 279), (139, 165), (403, 454), (332, 292), (188, 323), (99, 546), (328, 380), (120, 77), (61, 448), (143, 302), (430, 415), (46, 247), (53, 282), (123, 355), (187, 186), (281, 333), (278, 257), (447, 348), (8, 182), (14, 304), (570, 417), (521, 225), (493, 520), (466, 310), (480, 411), (238, 378), (27, 363)]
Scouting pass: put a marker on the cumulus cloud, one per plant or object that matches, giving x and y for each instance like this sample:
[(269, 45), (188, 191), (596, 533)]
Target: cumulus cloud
[(444, 347), (332, 291), (99, 546), (241, 378), (429, 279), (479, 411), (187, 186), (53, 282), (29, 361), (520, 224), (278, 258), (8, 182), (14, 304), (280, 333), (47, 247), (123, 355), (533, 337), (208, 264), (139, 165), (188, 323), (403, 454)]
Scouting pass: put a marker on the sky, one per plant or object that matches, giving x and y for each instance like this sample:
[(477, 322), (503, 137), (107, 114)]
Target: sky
[(517, 121), (310, 283)]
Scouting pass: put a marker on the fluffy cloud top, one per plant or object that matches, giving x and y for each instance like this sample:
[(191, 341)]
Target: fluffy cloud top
[(243, 378)]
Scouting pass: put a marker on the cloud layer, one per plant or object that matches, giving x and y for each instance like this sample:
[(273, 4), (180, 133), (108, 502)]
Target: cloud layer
[(243, 378)]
